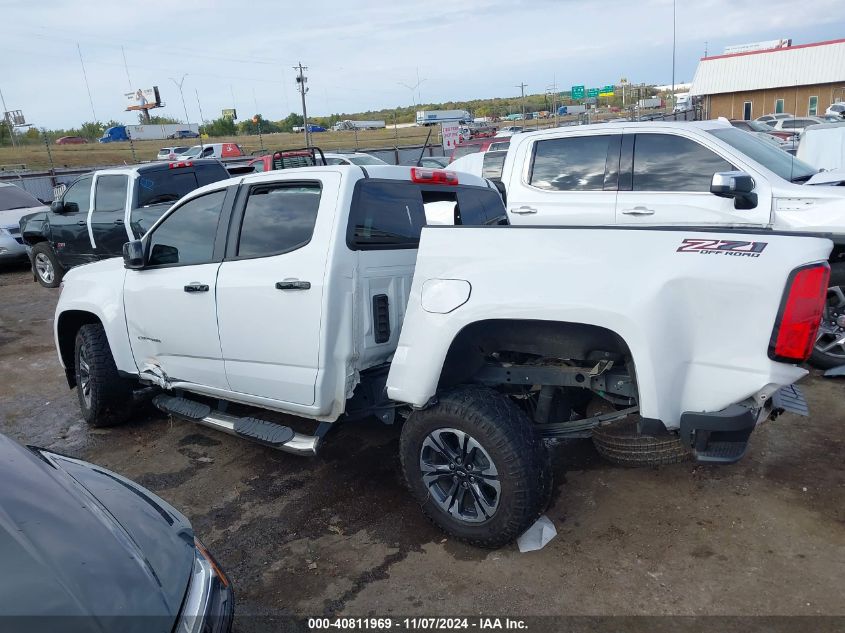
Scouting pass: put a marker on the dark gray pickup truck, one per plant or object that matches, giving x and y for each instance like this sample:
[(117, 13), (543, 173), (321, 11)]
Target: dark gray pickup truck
[(101, 211)]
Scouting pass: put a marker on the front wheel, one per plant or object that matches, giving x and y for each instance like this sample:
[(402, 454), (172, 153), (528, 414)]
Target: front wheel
[(829, 350), (104, 397), (475, 465), (46, 266)]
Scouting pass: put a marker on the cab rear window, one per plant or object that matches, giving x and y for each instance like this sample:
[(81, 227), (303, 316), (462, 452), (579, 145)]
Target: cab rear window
[(390, 214), (168, 185)]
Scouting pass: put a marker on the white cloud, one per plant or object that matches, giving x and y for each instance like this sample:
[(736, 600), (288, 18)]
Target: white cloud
[(359, 52)]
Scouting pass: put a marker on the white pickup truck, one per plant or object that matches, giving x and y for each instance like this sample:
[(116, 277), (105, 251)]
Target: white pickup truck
[(321, 292), (684, 174)]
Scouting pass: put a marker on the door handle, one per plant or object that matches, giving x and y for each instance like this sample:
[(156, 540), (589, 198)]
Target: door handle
[(524, 210), (638, 211), (81, 222), (196, 286), (293, 284), (118, 221)]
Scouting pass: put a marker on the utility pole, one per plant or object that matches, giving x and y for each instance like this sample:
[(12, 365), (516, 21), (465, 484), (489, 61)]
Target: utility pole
[(202, 119), (522, 89), (300, 83), (673, 54)]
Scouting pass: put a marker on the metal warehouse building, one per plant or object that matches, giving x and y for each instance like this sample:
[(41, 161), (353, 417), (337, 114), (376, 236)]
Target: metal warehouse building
[(802, 80)]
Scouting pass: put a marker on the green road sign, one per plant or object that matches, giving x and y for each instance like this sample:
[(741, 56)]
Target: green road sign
[(577, 92), (606, 91), (592, 92)]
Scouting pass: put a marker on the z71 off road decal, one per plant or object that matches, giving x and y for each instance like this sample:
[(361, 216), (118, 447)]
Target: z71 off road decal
[(722, 247)]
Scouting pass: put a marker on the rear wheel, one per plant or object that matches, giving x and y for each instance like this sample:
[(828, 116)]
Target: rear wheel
[(475, 465), (829, 350), (46, 266), (622, 443), (104, 397)]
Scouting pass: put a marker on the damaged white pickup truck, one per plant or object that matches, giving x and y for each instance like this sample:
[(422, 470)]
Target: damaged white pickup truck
[(326, 293)]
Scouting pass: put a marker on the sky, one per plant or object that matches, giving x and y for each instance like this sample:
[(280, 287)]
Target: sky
[(361, 54)]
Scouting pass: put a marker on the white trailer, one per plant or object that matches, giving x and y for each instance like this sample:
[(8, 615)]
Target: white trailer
[(358, 125), (432, 117), (653, 102), (154, 132)]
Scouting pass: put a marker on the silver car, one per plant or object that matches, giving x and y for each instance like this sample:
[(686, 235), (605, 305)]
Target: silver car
[(14, 204)]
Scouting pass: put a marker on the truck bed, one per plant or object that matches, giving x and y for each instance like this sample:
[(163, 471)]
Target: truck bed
[(696, 307)]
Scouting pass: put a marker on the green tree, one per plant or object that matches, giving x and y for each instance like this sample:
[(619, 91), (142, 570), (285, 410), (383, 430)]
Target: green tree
[(219, 127), (291, 121), (159, 120), (91, 130)]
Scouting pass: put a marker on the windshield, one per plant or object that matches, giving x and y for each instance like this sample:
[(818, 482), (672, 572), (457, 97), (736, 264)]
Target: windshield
[(193, 152), (772, 158), (16, 198), (366, 160), (758, 127)]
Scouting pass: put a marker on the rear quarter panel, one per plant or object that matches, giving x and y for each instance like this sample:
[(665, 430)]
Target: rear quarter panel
[(697, 323)]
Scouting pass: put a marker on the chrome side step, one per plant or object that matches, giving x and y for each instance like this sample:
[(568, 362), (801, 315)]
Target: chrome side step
[(264, 432)]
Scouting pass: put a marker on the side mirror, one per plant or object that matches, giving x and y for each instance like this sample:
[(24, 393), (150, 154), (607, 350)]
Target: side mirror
[(133, 255), (57, 206), (737, 185)]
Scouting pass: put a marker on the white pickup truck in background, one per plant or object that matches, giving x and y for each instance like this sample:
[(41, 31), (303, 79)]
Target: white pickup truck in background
[(684, 174), (318, 292)]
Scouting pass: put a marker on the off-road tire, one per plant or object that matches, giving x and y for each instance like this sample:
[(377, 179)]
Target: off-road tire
[(110, 396), (43, 249), (621, 443), (508, 436), (823, 360)]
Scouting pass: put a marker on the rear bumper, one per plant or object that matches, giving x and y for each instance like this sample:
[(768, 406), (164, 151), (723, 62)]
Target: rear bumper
[(722, 436), (11, 248)]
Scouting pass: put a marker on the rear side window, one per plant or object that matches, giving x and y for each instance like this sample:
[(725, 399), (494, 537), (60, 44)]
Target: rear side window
[(664, 162), (480, 207), (385, 215), (278, 219), (493, 164), (575, 163), (110, 193)]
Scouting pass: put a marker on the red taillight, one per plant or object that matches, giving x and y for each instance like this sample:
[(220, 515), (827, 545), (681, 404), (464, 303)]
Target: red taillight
[(433, 176), (800, 314), (182, 163)]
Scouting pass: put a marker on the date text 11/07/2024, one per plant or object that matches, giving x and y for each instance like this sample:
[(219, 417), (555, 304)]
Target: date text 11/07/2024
[(417, 624)]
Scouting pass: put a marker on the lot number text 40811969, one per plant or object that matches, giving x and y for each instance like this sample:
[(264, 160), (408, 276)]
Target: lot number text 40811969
[(417, 624)]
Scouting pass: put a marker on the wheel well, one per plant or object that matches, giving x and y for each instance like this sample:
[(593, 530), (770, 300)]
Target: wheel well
[(552, 339), (68, 325)]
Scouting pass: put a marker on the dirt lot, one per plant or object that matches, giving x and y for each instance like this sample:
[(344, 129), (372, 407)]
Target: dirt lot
[(338, 534)]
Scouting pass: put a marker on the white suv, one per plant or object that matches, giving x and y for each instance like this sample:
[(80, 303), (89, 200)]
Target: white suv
[(170, 153)]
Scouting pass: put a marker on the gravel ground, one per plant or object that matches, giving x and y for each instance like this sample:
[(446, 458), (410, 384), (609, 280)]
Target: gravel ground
[(338, 534)]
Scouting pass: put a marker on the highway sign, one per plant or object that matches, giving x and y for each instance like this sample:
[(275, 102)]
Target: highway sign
[(577, 92)]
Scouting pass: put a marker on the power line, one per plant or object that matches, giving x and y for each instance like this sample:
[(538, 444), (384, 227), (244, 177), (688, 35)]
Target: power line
[(126, 66), (85, 75)]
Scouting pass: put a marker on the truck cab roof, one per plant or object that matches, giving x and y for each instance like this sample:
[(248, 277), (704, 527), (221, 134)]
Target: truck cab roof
[(385, 172)]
